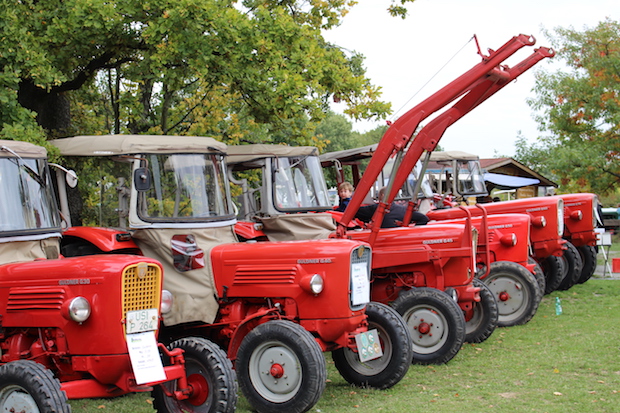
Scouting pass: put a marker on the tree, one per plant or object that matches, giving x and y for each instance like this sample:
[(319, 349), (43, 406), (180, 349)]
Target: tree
[(256, 70), (580, 109)]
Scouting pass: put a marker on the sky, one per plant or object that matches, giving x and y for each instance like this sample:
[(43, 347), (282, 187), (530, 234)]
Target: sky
[(411, 59)]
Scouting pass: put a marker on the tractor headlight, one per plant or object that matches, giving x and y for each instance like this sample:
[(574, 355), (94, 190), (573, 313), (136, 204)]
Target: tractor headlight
[(77, 309), (166, 301), (454, 295), (474, 248), (595, 217), (312, 284), (560, 217), (509, 240)]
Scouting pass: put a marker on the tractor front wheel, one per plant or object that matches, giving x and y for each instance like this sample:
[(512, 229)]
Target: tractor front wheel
[(435, 322), (588, 256), (281, 367), (484, 316), (574, 265), (516, 292), (395, 341), (27, 386), (553, 267), (209, 375)]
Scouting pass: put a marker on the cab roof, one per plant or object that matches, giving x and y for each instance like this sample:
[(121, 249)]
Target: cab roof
[(113, 145), (23, 149)]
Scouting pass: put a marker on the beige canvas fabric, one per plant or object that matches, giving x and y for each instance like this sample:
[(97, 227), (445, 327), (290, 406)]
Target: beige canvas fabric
[(292, 227), (24, 251), (23, 149), (112, 145), (194, 291), (246, 153)]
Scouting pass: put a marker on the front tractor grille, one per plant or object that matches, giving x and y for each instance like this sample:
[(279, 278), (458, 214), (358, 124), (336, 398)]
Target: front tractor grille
[(141, 287)]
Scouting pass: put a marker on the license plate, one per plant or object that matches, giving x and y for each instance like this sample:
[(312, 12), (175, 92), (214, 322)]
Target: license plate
[(368, 345), (142, 320)]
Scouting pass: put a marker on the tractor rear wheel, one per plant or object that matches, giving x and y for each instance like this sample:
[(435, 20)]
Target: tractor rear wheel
[(516, 292), (588, 256), (484, 316), (435, 322), (27, 386), (574, 265), (391, 367), (553, 267), (210, 376), (281, 368)]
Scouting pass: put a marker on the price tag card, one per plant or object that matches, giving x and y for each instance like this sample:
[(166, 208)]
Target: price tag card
[(360, 285), (144, 355)]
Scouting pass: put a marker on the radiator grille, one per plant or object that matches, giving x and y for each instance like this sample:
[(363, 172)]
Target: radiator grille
[(141, 287), (269, 275), (27, 299)]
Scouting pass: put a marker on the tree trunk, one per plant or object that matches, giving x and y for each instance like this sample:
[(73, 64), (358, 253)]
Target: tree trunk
[(52, 108)]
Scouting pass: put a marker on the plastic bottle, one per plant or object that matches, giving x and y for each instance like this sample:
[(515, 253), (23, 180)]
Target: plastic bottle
[(558, 306)]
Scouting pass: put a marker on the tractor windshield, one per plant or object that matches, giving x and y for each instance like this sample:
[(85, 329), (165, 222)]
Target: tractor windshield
[(185, 188), (470, 179), (299, 184), (28, 204)]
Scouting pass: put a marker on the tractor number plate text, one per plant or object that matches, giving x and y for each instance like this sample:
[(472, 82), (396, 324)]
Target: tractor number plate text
[(142, 320)]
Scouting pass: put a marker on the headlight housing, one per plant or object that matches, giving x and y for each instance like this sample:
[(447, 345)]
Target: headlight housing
[(312, 284), (595, 217), (77, 309), (474, 248), (560, 217), (166, 301)]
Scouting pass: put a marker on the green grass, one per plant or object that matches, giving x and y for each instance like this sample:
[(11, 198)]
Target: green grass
[(566, 363)]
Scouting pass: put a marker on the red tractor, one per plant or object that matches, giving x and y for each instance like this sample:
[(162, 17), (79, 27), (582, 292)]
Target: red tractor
[(580, 220), (86, 327), (412, 268), (274, 306), (560, 262), (502, 248), (398, 142)]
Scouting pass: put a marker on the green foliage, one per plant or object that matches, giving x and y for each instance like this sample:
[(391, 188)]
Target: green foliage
[(255, 71), (580, 108)]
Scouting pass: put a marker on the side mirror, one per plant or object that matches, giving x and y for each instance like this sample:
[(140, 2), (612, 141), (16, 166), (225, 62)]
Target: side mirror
[(71, 178), (141, 179)]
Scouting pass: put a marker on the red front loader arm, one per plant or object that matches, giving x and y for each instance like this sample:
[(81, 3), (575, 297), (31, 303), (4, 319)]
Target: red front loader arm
[(477, 84)]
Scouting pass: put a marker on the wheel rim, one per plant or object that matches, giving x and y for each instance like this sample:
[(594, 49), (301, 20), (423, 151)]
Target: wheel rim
[(428, 328), (376, 366), (476, 317), (15, 398), (275, 372), (512, 297), (197, 380)]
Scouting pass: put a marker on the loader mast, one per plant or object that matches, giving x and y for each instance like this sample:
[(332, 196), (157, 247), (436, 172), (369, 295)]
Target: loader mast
[(473, 87)]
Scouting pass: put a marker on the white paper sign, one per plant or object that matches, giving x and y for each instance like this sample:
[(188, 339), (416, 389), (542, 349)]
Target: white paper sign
[(360, 285), (145, 360)]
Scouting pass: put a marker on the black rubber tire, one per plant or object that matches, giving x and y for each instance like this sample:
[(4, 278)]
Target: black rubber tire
[(281, 343), (428, 307), (539, 274), (485, 316), (28, 386), (574, 265), (516, 292), (208, 369), (588, 257), (387, 370), (553, 267)]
